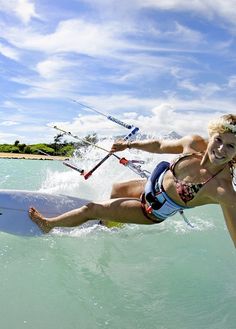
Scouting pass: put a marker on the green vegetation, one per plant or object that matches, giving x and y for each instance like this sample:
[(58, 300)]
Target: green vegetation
[(58, 147)]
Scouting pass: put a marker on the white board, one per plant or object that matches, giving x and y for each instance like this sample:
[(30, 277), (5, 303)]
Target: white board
[(14, 205)]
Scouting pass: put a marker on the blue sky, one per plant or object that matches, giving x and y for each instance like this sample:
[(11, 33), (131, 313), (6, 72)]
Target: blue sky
[(161, 65)]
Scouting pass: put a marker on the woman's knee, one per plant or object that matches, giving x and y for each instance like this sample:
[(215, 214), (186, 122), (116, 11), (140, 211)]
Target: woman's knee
[(117, 190), (131, 188), (93, 209)]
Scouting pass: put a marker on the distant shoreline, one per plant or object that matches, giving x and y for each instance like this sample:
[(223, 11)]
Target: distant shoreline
[(4, 155)]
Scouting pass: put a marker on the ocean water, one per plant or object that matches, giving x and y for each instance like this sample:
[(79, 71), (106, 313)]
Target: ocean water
[(166, 276)]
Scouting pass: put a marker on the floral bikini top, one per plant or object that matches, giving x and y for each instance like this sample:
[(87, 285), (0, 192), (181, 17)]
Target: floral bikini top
[(185, 190)]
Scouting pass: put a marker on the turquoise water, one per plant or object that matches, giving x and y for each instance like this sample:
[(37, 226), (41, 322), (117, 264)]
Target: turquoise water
[(166, 276)]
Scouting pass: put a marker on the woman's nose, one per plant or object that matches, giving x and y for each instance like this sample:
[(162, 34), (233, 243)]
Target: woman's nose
[(221, 147)]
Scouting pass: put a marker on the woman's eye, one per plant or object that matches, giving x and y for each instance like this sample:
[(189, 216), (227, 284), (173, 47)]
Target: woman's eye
[(231, 146), (218, 139)]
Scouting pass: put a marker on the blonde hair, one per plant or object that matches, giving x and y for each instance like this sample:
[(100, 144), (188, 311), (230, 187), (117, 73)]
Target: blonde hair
[(223, 124)]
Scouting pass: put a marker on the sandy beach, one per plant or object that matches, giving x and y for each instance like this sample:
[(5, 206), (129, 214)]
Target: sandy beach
[(4, 155)]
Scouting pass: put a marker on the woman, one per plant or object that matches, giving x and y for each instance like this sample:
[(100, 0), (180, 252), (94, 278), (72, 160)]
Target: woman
[(202, 174)]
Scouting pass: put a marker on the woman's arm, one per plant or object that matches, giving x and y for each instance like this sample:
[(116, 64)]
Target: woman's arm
[(185, 144), (230, 219)]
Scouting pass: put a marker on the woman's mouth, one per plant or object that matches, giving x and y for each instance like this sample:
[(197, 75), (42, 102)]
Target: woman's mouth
[(217, 156)]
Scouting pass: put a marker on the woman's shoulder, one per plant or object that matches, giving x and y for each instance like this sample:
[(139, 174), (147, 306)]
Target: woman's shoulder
[(186, 144), (194, 143)]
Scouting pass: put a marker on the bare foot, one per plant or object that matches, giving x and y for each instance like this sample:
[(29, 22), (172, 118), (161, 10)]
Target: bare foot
[(38, 219)]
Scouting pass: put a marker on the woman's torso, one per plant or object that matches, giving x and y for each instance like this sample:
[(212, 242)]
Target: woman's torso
[(202, 185)]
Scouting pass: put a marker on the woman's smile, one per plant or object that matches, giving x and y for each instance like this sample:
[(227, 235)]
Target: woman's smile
[(222, 148)]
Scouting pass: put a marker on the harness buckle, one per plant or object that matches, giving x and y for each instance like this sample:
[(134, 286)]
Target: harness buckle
[(149, 209)]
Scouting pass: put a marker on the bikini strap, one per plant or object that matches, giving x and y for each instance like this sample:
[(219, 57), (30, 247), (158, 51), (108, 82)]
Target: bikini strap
[(184, 155), (213, 176), (180, 157)]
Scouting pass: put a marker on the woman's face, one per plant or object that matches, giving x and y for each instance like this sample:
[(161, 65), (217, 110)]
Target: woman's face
[(222, 148)]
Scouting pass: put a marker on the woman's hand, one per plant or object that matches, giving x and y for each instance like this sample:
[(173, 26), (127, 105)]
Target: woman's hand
[(119, 145)]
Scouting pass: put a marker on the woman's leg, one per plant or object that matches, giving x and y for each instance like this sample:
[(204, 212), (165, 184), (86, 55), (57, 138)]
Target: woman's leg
[(122, 210), (132, 188)]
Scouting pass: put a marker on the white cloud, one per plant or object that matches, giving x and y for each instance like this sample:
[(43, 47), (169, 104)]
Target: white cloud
[(154, 116), (203, 89), (128, 57), (157, 118), (9, 123), (23, 9), (43, 88), (8, 137), (176, 4), (9, 52), (225, 9), (185, 34), (209, 89), (9, 104), (51, 67), (188, 85), (107, 39), (232, 81), (73, 35)]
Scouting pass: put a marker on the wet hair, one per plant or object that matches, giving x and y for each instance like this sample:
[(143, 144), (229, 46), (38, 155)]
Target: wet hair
[(225, 123)]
